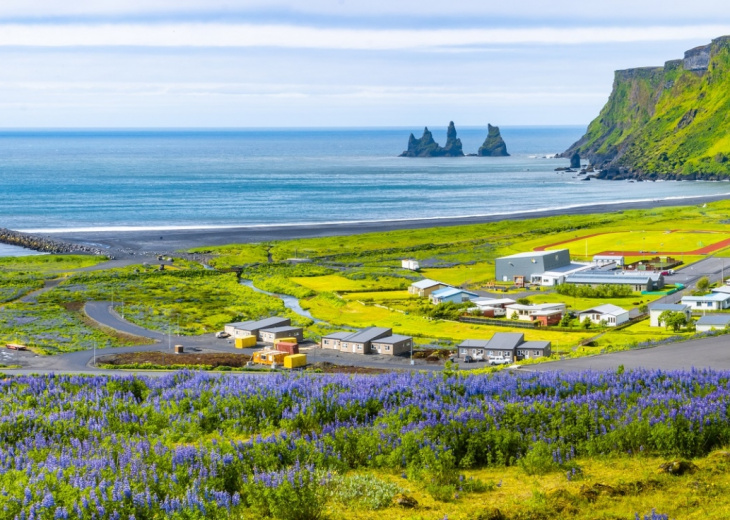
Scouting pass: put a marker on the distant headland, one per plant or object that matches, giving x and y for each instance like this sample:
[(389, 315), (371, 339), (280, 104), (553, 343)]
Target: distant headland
[(494, 145), (665, 122)]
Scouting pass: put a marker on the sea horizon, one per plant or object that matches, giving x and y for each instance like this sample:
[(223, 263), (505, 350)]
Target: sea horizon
[(79, 180)]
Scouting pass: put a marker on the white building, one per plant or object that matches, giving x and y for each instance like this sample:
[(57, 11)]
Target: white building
[(710, 302), (612, 314), (528, 312), (411, 264), (557, 276), (608, 259), (658, 308), (713, 321)]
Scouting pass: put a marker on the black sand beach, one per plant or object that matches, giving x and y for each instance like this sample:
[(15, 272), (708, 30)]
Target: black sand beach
[(123, 244)]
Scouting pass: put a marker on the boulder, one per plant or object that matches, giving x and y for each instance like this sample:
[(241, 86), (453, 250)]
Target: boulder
[(575, 160), (405, 501), (494, 145)]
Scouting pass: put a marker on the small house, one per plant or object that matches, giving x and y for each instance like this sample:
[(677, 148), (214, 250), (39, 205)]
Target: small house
[(424, 288), (611, 314), (657, 309), (709, 302), (713, 321), (530, 264), (274, 333), (602, 260), (451, 294), (528, 312), (394, 345), (334, 340), (533, 350), (253, 327), (644, 282)]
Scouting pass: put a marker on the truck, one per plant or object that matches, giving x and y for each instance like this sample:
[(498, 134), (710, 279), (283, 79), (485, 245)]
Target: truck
[(499, 360)]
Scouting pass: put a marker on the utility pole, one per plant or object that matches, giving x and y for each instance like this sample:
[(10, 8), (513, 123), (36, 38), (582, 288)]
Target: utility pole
[(94, 353), (411, 351)]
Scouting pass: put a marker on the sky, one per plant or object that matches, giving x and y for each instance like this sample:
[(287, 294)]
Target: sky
[(331, 63)]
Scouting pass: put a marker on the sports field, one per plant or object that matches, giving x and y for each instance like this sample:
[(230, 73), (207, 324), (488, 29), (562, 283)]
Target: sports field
[(638, 243)]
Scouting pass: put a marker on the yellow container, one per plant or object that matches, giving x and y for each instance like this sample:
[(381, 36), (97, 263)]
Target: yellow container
[(295, 361), (285, 340), (268, 357), (246, 341)]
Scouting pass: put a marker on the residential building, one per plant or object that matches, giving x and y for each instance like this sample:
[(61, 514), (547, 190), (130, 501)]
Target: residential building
[(359, 342), (611, 314), (638, 282), (533, 349), (713, 321), (334, 340), (528, 312), (252, 327), (491, 307), (394, 345), (714, 301), (274, 333), (655, 310), (530, 264), (506, 344), (424, 288), (451, 294)]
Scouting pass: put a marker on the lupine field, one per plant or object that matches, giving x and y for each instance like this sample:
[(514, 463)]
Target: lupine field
[(190, 445)]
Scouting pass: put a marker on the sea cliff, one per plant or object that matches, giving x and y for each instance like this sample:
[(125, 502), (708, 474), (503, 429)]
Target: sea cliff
[(665, 122)]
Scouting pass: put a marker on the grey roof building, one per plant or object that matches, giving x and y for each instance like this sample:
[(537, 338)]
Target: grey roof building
[(529, 264), (506, 344), (252, 327), (357, 342), (394, 345), (637, 282), (713, 321)]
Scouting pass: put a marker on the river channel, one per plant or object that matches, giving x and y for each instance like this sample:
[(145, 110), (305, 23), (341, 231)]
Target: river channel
[(290, 302)]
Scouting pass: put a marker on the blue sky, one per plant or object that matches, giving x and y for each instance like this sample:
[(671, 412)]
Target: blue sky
[(212, 63)]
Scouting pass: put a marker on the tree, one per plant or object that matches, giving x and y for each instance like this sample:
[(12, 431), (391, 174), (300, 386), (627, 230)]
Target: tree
[(587, 323), (523, 301), (565, 320), (673, 319), (703, 284)]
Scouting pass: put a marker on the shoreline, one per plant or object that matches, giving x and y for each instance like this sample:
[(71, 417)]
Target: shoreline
[(153, 242)]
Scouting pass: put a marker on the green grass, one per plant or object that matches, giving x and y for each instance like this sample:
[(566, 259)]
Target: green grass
[(49, 263), (337, 283)]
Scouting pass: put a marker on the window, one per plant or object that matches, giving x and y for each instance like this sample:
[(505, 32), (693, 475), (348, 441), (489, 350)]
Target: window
[(387, 348)]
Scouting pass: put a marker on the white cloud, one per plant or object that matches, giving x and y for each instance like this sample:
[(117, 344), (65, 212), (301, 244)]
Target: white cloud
[(286, 36)]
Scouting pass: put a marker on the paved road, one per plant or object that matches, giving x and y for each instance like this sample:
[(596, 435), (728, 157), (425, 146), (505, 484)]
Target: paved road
[(703, 353), (102, 312)]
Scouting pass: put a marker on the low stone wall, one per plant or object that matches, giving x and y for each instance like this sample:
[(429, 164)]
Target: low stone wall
[(46, 245)]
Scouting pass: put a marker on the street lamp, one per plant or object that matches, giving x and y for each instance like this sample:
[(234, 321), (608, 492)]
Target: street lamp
[(412, 351)]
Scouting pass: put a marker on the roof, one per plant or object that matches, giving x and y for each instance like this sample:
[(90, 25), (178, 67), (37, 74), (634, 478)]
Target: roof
[(281, 329), (537, 307), (531, 254), (608, 308), (425, 284), (337, 335), (725, 289), (712, 297), (720, 320), (675, 307), (547, 312), (259, 324), (506, 340), (478, 343), (567, 268), (390, 340), (493, 301), (368, 334), (605, 278), (450, 291), (535, 345)]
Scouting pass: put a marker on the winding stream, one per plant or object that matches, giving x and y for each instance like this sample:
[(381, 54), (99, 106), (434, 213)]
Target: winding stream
[(290, 302)]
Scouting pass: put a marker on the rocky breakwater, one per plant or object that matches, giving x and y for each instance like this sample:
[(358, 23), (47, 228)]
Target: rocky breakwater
[(46, 245), (427, 147)]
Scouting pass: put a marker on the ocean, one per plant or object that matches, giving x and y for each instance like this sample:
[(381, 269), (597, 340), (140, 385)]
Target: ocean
[(53, 180)]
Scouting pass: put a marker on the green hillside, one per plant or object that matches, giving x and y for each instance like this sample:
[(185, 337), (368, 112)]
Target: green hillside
[(671, 121)]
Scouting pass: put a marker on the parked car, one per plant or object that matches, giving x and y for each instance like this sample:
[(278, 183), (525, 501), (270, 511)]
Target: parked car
[(469, 359), (664, 273), (222, 334), (499, 360)]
